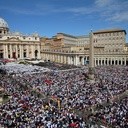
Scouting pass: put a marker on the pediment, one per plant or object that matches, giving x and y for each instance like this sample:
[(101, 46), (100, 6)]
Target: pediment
[(13, 39)]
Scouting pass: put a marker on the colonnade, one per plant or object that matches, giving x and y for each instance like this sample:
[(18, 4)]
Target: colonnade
[(84, 59), (110, 61), (19, 51), (66, 58), (56, 58)]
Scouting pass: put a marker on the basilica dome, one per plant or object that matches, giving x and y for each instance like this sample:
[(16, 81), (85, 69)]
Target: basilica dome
[(3, 23)]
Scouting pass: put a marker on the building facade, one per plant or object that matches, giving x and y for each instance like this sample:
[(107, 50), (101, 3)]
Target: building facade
[(110, 47), (16, 45)]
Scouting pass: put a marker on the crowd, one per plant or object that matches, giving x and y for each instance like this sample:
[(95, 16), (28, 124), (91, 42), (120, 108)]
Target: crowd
[(15, 68), (55, 66), (66, 92), (114, 114)]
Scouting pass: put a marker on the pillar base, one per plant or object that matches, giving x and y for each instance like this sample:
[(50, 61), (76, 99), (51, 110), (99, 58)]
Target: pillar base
[(91, 78), (1, 100)]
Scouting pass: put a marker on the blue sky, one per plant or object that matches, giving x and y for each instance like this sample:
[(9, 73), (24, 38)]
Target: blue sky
[(75, 17)]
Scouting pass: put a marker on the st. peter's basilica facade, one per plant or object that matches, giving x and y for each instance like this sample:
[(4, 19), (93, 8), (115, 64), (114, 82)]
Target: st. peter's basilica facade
[(16, 45)]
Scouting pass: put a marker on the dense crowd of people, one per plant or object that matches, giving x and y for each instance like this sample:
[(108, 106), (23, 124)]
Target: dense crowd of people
[(60, 95), (114, 114), (55, 66), (15, 68)]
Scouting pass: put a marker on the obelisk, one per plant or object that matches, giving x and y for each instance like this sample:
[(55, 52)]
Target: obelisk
[(91, 57)]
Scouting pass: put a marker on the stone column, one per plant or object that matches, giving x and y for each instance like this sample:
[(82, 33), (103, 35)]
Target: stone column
[(83, 60), (107, 61), (27, 51), (46, 56), (10, 47), (121, 61), (38, 47), (21, 51), (61, 59), (117, 61), (64, 59), (110, 61), (95, 61), (98, 62), (68, 59), (114, 60), (53, 59), (6, 51), (101, 61), (76, 60), (125, 61), (16, 50), (57, 58), (50, 57), (72, 60), (104, 61), (32, 51)]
